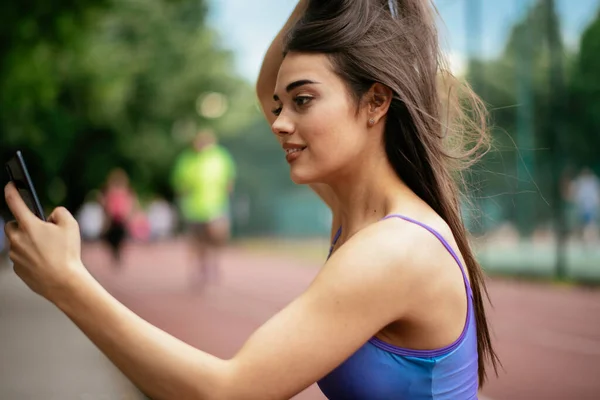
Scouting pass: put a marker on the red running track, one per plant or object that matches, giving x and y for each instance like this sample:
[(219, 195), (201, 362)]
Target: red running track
[(548, 337)]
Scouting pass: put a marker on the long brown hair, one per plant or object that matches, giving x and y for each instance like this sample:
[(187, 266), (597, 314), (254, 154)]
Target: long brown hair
[(433, 118)]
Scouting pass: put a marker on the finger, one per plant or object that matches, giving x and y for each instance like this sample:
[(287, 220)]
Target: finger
[(62, 217), (17, 206), (11, 229), (9, 226), (18, 241), (16, 258)]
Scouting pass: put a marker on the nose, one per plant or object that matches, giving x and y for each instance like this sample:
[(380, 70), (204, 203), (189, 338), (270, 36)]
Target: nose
[(282, 126)]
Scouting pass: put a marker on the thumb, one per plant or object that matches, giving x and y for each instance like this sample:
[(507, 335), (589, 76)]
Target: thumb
[(62, 217)]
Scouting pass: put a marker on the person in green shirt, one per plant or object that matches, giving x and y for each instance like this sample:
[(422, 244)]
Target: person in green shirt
[(203, 179)]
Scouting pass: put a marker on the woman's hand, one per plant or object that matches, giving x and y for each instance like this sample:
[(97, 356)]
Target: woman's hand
[(46, 255)]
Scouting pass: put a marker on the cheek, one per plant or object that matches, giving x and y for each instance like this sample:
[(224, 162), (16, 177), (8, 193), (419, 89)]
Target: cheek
[(331, 149), (328, 126)]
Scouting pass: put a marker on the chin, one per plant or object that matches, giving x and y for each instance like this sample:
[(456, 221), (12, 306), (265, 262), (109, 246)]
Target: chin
[(300, 180), (301, 176)]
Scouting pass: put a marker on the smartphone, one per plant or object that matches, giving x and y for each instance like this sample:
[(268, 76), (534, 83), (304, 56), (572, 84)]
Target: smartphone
[(18, 174)]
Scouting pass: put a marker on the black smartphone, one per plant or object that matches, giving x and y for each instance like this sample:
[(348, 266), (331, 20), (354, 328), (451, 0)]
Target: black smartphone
[(18, 174)]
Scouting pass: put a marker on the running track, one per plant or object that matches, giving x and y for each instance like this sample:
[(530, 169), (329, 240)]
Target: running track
[(548, 337)]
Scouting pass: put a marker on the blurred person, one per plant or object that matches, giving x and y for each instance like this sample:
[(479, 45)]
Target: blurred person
[(91, 217), (585, 192), (118, 201), (161, 218), (138, 226), (203, 179), (397, 311)]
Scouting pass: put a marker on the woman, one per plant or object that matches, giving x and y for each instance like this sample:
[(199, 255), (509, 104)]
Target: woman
[(397, 310), (117, 200)]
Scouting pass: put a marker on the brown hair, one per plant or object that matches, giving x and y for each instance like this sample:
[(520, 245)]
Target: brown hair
[(431, 118)]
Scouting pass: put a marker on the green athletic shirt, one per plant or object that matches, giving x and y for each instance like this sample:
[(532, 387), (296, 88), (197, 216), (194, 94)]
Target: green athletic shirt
[(201, 180)]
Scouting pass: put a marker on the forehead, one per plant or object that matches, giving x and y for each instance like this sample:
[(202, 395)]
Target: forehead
[(299, 66)]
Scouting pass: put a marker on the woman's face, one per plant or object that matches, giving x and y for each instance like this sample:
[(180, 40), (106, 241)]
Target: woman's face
[(316, 120)]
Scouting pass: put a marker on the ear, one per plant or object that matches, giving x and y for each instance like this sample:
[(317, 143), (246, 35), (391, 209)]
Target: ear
[(379, 99)]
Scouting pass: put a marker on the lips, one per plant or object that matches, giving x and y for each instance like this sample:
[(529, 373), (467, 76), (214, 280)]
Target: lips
[(293, 151)]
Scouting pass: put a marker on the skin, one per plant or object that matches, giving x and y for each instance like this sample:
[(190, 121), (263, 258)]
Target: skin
[(386, 278)]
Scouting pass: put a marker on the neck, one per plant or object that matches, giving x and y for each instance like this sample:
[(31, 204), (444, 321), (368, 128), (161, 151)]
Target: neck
[(367, 192)]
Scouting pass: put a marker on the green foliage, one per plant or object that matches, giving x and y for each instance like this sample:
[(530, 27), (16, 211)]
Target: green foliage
[(584, 110), (88, 85), (513, 170), (86, 88)]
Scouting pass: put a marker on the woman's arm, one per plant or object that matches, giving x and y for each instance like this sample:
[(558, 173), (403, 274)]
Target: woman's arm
[(359, 291), (156, 362), (341, 310), (267, 77)]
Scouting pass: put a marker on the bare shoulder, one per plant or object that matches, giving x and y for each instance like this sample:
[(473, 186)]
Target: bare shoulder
[(375, 271), (420, 245), (395, 254), (425, 236)]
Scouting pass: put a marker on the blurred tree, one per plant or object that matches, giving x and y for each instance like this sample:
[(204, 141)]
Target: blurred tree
[(584, 112), (33, 35), (149, 66), (86, 88), (521, 167)]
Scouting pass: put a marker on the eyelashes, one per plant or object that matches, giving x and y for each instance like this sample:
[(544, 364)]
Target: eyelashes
[(299, 101), (277, 111), (302, 100)]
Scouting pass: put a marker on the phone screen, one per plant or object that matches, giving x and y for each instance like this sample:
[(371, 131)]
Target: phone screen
[(18, 174)]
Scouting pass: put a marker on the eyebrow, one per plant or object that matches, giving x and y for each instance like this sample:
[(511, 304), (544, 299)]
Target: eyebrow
[(295, 85)]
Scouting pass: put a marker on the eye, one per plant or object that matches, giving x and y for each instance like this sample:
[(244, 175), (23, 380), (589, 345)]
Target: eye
[(302, 100), (276, 111)]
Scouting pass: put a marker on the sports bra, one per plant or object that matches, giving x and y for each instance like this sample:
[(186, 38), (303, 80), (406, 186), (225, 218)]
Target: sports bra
[(381, 371)]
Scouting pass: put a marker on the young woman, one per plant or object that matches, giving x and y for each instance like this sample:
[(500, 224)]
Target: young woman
[(397, 310), (118, 201)]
